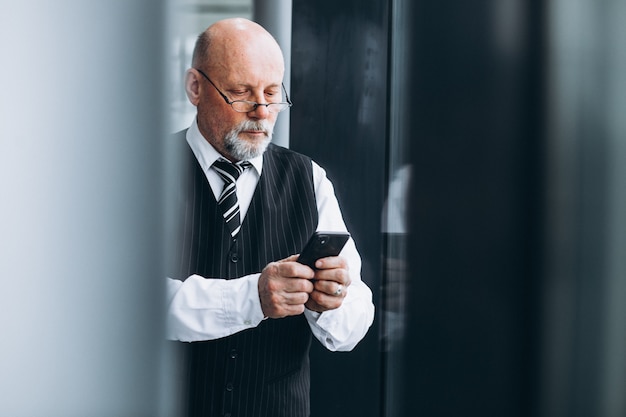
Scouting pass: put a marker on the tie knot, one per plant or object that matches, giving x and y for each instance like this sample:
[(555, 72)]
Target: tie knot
[(229, 171)]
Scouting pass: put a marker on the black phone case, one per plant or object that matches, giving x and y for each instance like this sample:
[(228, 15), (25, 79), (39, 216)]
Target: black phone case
[(321, 245)]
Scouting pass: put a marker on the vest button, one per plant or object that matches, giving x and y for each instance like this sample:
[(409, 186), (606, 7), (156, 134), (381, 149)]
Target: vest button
[(229, 387), (234, 257), (233, 354)]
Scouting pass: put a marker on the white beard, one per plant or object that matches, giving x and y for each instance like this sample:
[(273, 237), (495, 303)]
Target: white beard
[(243, 150)]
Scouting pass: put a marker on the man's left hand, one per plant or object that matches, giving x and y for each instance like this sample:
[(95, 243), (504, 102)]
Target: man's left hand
[(331, 284)]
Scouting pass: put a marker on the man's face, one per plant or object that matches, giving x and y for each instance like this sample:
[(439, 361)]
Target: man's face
[(246, 75)]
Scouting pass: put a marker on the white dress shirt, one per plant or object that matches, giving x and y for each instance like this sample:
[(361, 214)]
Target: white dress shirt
[(206, 309)]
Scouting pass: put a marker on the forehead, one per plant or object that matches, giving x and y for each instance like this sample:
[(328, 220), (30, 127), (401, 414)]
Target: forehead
[(248, 60)]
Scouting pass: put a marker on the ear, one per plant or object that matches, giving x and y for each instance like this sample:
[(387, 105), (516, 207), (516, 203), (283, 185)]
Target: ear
[(192, 86)]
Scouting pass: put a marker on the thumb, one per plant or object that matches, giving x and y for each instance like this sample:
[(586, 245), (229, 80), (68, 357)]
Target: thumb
[(292, 258)]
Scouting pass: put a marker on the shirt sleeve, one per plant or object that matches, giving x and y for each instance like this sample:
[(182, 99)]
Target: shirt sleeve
[(340, 329), (206, 309)]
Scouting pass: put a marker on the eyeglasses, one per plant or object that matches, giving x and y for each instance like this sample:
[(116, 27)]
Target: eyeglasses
[(243, 106)]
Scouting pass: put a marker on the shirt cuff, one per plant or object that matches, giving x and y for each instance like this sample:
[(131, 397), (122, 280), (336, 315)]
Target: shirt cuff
[(321, 325), (242, 303)]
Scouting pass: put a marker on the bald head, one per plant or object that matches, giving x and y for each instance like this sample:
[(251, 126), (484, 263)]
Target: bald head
[(233, 42), (236, 60)]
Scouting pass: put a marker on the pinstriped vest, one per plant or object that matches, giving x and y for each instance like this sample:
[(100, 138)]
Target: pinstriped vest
[(262, 371)]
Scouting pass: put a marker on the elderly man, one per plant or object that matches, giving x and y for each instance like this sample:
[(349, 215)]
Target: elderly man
[(244, 307)]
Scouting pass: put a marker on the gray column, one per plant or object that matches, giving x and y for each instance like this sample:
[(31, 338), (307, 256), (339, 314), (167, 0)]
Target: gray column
[(80, 162), (275, 16)]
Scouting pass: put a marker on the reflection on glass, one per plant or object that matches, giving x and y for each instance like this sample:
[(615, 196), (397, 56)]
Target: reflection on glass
[(394, 219)]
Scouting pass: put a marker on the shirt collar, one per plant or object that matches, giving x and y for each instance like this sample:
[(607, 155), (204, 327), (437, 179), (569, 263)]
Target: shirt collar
[(206, 154)]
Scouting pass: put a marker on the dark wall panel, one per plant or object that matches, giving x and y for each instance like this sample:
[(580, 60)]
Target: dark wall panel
[(339, 58), (475, 203)]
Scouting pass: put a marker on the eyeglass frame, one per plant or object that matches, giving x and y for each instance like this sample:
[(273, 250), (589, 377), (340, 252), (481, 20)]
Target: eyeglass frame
[(256, 105)]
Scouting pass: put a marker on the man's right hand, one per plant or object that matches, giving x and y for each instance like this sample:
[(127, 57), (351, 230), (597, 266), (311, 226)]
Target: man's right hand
[(284, 288)]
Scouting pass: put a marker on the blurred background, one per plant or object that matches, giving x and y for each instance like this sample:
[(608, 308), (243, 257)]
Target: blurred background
[(478, 150)]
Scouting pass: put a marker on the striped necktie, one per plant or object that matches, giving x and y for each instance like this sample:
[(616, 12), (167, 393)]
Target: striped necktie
[(227, 202)]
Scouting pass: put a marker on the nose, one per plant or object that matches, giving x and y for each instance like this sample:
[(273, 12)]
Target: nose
[(261, 111)]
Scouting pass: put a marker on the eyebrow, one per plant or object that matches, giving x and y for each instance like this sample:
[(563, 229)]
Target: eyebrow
[(251, 87)]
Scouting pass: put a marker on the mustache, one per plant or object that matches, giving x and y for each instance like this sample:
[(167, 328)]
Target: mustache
[(255, 125)]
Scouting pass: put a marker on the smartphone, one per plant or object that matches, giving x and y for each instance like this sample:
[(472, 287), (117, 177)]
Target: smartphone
[(321, 245)]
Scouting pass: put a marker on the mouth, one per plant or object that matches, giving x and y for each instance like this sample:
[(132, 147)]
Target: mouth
[(255, 133)]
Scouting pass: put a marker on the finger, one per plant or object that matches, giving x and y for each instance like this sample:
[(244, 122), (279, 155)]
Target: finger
[(331, 288), (292, 258), (287, 298), (284, 310), (331, 262), (295, 298), (320, 301), (338, 275), (298, 285), (276, 283), (293, 269)]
